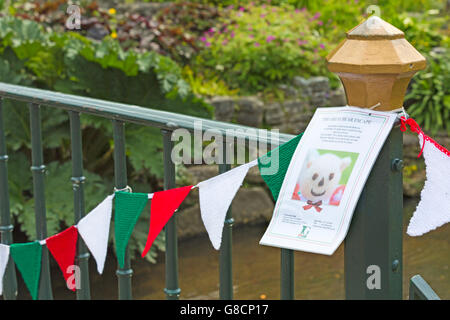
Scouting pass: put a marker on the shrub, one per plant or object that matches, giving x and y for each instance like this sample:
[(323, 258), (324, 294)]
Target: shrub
[(171, 32), (429, 97), (259, 46), (70, 63)]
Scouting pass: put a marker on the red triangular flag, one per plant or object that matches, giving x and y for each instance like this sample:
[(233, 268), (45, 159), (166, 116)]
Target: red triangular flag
[(63, 247), (164, 204)]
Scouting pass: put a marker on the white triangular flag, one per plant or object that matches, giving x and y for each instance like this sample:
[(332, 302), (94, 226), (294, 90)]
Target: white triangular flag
[(94, 229), (433, 209), (4, 256), (216, 195)]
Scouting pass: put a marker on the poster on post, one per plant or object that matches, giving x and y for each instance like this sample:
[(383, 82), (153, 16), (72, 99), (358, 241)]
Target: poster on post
[(325, 178)]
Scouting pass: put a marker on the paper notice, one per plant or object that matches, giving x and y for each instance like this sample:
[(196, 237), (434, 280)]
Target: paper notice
[(326, 177)]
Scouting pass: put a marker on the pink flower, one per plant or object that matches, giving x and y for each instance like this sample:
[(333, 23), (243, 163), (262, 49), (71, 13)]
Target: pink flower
[(257, 44), (315, 17), (320, 23), (241, 9), (322, 46), (251, 36), (208, 44), (302, 42), (224, 42), (263, 15), (270, 38), (232, 34), (203, 39)]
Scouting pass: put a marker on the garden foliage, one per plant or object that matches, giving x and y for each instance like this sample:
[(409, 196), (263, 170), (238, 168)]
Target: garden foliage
[(70, 63)]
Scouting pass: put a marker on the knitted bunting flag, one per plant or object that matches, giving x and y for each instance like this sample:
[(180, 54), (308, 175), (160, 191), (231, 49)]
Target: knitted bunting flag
[(63, 247), (94, 229), (274, 164), (27, 257), (4, 256), (162, 207), (128, 207), (216, 195), (433, 209)]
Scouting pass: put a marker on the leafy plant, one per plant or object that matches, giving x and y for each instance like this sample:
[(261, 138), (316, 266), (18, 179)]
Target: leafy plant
[(429, 97), (172, 32), (71, 63), (207, 86), (259, 46)]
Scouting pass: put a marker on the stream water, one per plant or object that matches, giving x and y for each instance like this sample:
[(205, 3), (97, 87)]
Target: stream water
[(256, 269)]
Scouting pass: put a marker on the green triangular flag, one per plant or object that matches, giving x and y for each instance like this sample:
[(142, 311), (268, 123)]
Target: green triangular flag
[(275, 179), (27, 257), (128, 207)]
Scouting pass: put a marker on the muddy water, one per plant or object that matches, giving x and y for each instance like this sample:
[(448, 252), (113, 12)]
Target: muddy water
[(257, 269)]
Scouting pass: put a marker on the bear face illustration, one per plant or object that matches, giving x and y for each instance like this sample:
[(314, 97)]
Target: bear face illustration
[(321, 175)]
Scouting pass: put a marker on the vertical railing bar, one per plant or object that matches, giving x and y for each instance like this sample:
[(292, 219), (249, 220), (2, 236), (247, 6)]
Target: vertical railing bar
[(287, 274), (172, 289), (120, 176), (6, 227), (83, 288), (286, 262), (38, 170), (225, 257)]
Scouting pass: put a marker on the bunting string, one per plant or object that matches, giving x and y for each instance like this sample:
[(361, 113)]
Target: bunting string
[(433, 209), (215, 197)]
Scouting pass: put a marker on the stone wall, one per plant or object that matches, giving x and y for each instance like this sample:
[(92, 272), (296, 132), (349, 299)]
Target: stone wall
[(291, 115)]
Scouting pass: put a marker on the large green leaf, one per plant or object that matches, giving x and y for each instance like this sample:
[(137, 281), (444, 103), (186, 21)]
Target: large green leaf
[(59, 199), (144, 149)]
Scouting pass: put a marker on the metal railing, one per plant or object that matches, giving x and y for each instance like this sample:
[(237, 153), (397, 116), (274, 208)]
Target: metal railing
[(419, 289), (119, 114), (374, 237)]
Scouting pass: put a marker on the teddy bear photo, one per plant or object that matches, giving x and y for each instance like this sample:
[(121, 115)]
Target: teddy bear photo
[(319, 182)]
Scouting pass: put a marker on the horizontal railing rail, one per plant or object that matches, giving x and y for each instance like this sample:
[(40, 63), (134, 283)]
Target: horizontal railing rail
[(131, 113)]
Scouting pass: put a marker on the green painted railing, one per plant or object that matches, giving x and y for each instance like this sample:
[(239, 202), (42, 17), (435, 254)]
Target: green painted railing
[(419, 289), (374, 238), (119, 114)]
